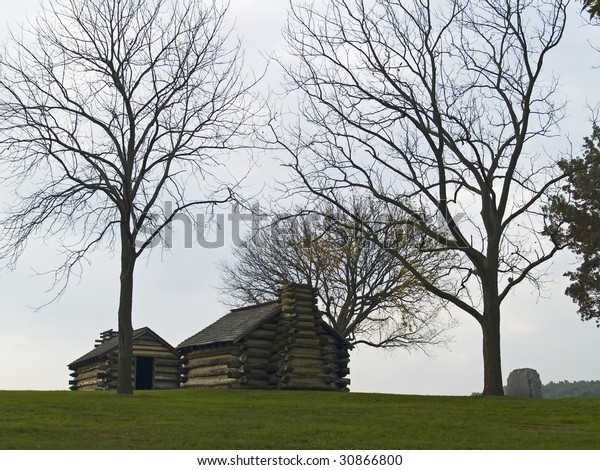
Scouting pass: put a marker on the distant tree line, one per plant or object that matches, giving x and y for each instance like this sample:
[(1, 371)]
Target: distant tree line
[(564, 388)]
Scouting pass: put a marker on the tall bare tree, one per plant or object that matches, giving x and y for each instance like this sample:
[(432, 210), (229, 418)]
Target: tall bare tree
[(434, 108), (366, 294), (115, 116)]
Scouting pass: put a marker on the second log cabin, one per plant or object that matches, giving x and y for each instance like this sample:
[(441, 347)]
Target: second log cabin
[(284, 344)]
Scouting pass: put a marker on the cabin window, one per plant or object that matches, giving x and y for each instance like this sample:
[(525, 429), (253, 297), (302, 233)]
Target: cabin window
[(144, 373)]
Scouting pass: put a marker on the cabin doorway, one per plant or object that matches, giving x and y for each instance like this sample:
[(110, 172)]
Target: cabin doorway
[(144, 373)]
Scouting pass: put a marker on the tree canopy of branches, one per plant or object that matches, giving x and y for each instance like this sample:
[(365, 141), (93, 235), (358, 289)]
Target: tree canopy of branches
[(432, 108), (366, 294), (578, 208), (114, 116)]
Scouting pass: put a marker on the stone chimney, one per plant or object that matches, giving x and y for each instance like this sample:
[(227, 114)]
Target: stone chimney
[(306, 357)]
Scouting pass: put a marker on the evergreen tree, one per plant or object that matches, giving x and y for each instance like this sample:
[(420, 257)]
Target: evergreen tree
[(578, 210)]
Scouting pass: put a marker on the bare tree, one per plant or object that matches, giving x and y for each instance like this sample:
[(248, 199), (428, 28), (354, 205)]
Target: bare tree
[(115, 116), (434, 108), (366, 294)]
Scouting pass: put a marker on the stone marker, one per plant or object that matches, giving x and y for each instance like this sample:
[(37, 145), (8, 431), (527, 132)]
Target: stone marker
[(524, 383)]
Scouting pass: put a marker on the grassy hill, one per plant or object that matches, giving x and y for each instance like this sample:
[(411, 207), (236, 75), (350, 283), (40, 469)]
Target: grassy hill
[(228, 419)]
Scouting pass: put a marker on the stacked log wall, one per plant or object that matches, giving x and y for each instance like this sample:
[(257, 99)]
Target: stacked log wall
[(337, 358), (166, 372), (86, 377), (214, 367), (259, 351)]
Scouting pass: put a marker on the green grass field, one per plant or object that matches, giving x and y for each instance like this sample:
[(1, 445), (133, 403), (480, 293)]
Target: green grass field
[(228, 419)]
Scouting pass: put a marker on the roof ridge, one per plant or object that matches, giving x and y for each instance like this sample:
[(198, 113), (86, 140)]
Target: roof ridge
[(262, 304)]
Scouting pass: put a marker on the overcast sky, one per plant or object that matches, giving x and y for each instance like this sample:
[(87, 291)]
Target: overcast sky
[(176, 296)]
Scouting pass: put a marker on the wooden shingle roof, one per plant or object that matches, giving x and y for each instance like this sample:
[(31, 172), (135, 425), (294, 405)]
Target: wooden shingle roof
[(233, 326)]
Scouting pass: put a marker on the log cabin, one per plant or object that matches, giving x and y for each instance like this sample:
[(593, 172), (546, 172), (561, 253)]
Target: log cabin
[(283, 344), (155, 363)]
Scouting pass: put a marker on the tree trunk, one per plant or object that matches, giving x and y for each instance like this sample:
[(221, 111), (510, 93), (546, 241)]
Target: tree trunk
[(492, 362), (125, 382)]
